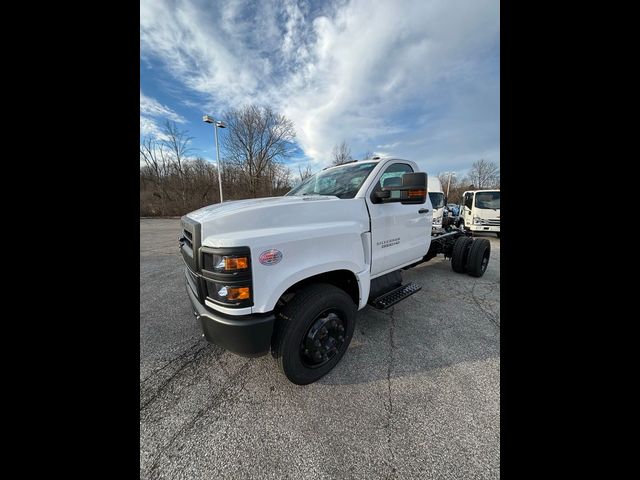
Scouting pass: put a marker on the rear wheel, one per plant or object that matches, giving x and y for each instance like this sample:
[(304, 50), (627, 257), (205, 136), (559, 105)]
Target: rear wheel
[(313, 331), (459, 254), (478, 259)]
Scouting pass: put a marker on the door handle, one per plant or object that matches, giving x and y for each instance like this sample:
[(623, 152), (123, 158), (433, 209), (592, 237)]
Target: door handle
[(423, 210)]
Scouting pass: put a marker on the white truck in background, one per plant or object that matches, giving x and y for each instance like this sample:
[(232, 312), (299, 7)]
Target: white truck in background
[(480, 211), (436, 195), (287, 275)]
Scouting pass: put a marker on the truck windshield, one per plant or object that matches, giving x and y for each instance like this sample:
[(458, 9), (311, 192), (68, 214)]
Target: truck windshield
[(488, 200), (437, 199), (343, 182)]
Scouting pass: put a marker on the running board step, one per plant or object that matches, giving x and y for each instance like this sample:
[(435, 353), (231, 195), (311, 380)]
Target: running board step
[(394, 296)]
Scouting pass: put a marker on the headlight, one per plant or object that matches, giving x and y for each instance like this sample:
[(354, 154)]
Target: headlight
[(476, 220), (225, 263), (234, 293), (437, 219), (227, 274), (228, 294)]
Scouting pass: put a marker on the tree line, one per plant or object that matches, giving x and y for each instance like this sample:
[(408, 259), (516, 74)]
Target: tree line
[(254, 149), (258, 142), (483, 174)]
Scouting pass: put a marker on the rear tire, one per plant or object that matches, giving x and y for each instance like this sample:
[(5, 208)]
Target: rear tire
[(320, 318), (478, 259), (459, 254)]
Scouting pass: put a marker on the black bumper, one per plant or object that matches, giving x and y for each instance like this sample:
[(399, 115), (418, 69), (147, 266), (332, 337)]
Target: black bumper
[(246, 335)]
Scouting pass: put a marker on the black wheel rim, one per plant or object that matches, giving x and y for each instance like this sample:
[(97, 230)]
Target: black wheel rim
[(323, 339), (485, 261)]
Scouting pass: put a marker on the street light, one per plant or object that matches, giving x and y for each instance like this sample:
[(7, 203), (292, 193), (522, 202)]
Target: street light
[(449, 182), (217, 124)]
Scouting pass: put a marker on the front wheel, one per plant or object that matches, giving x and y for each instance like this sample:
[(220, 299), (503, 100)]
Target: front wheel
[(313, 331)]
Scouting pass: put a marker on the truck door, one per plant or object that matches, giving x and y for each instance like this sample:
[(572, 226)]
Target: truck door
[(467, 208), (399, 233)]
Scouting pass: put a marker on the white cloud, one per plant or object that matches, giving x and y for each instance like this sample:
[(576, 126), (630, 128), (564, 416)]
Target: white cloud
[(153, 113), (150, 107), (416, 78)]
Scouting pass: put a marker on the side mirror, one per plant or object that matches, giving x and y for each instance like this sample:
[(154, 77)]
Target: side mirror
[(413, 190)]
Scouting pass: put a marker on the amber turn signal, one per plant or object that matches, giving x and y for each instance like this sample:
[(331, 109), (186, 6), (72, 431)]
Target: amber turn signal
[(239, 293), (235, 263)]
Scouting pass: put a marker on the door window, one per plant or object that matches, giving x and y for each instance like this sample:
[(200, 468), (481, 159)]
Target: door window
[(393, 176), (468, 200)]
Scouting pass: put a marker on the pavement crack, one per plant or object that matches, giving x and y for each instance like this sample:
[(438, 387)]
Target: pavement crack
[(488, 313), (217, 400), (163, 386), (172, 361)]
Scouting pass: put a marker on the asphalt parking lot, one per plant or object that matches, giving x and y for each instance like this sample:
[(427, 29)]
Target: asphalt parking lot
[(417, 395)]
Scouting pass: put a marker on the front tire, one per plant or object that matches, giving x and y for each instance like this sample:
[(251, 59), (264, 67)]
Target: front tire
[(313, 331)]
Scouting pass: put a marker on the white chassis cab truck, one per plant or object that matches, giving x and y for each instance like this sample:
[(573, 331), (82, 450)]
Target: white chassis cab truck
[(288, 274), (481, 211)]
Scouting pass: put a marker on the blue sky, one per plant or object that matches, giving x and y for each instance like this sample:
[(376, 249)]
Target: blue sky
[(413, 79)]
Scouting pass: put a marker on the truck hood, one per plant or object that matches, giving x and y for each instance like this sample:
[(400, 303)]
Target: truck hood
[(239, 222)]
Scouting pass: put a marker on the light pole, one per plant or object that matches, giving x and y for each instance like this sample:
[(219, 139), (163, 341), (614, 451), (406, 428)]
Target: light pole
[(216, 124), (449, 182)]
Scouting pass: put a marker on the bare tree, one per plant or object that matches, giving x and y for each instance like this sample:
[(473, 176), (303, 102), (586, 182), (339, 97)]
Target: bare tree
[(484, 174), (257, 138), (176, 150), (368, 155), (304, 174), (341, 154), (153, 155)]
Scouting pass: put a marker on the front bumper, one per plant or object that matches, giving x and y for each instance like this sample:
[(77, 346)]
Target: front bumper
[(246, 335), (484, 228)]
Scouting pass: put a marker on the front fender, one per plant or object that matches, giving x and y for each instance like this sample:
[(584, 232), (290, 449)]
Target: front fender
[(288, 282), (323, 250)]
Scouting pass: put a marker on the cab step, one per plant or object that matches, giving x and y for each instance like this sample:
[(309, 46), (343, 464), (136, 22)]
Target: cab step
[(394, 296)]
